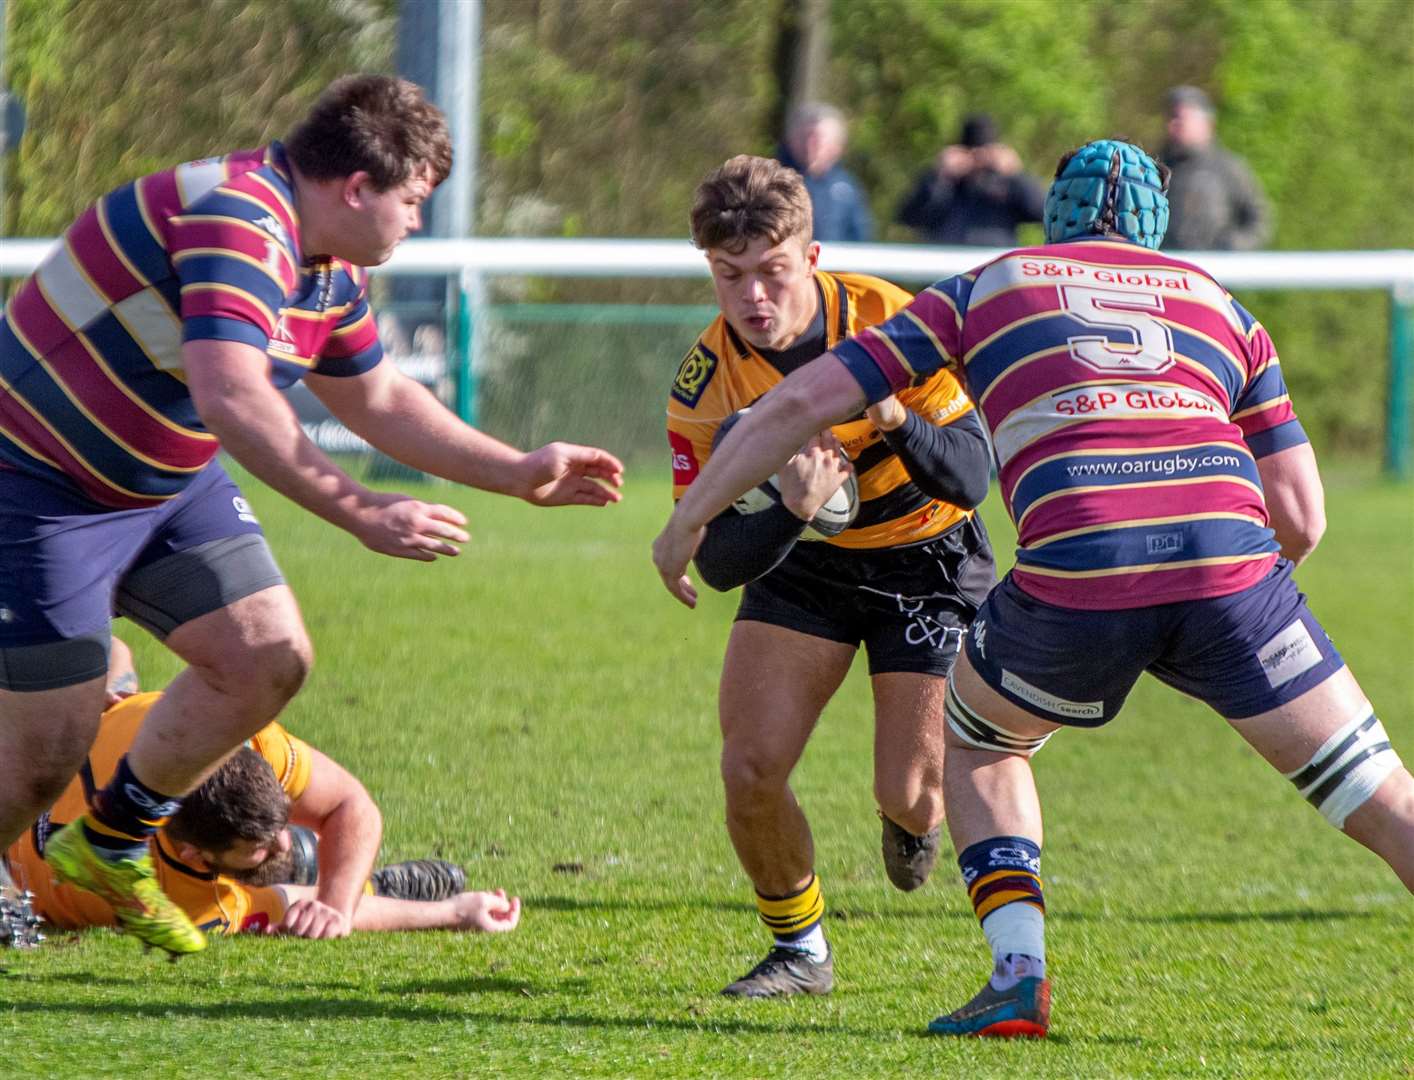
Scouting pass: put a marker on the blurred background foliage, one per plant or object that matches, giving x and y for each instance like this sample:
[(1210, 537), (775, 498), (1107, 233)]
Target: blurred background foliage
[(600, 116)]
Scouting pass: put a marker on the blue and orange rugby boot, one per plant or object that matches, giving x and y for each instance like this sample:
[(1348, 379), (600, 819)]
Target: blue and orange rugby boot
[(1024, 1011)]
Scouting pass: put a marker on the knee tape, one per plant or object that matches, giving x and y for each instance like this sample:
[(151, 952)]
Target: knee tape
[(976, 730), (1347, 769)]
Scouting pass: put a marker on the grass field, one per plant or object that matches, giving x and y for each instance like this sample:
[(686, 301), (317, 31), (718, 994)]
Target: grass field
[(541, 710)]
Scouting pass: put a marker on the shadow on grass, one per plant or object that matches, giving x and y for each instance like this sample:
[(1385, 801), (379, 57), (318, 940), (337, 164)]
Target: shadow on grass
[(738, 907), (473, 984), (1219, 918), (934, 911), (322, 1008), (88, 978)]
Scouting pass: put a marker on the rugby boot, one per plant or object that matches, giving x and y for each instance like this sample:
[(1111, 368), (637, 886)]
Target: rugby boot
[(19, 925), (1024, 1011), (908, 859), (785, 972), (129, 886), (419, 879)]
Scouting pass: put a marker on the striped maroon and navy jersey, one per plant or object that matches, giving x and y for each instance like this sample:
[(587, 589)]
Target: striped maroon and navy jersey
[(92, 385), (1127, 395)]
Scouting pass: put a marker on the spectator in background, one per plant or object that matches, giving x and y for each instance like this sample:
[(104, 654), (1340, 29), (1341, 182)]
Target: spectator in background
[(815, 139), (1215, 203), (974, 192)]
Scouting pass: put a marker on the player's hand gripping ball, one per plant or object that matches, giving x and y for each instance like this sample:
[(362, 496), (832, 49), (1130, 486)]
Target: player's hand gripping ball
[(833, 518)]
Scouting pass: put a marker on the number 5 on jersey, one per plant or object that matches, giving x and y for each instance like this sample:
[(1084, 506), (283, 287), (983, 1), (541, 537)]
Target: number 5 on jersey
[(1117, 309)]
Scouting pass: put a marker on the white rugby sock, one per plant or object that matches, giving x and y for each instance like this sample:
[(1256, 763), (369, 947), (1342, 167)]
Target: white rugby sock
[(812, 944), (1017, 934)]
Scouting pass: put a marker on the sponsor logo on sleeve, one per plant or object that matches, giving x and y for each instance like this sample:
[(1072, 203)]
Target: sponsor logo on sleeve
[(1289, 654), (272, 225), (684, 460), (694, 374)]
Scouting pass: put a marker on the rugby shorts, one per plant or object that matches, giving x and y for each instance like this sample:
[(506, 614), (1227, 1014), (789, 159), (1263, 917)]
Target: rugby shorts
[(67, 566), (909, 606), (1242, 654)]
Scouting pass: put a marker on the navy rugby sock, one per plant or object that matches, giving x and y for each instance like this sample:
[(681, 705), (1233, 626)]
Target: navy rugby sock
[(124, 813)]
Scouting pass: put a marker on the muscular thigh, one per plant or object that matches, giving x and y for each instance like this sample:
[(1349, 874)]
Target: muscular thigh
[(775, 682)]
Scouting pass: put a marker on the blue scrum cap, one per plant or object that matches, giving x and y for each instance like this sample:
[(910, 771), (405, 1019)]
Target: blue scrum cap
[(1108, 185)]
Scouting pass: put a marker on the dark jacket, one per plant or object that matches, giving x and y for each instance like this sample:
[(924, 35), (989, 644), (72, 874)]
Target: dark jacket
[(981, 209), (1215, 203), (837, 201)]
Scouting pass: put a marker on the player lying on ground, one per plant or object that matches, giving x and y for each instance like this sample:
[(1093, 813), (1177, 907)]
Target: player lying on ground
[(226, 856), (905, 578), (159, 330), (1162, 490)]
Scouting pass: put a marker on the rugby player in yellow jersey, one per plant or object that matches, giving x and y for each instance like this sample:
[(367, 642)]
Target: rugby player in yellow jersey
[(905, 579), (226, 858)]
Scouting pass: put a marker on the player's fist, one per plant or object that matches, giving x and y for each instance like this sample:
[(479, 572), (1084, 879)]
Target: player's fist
[(408, 528), (488, 912), (311, 919), (888, 414), (563, 474), (814, 474)]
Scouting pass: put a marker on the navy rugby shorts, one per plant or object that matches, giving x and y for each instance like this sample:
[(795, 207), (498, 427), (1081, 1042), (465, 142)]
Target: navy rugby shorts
[(67, 566), (1242, 654), (909, 606)]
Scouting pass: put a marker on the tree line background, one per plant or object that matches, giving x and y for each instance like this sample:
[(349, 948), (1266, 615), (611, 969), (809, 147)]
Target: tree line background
[(600, 116)]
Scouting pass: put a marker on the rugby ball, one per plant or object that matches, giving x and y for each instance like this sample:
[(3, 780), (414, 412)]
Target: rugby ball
[(833, 518)]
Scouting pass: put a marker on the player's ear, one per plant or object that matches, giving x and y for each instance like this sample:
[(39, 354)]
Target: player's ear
[(355, 189), (812, 254), (189, 854)]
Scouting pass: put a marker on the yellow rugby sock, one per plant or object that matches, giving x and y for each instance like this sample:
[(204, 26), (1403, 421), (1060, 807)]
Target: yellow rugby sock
[(793, 917)]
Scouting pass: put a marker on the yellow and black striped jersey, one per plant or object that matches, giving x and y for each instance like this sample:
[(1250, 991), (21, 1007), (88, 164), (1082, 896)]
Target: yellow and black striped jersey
[(723, 373)]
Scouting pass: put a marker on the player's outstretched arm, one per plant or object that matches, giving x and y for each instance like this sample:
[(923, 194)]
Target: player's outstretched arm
[(337, 807), (403, 419), (1296, 499), (230, 386), (487, 912), (807, 401)]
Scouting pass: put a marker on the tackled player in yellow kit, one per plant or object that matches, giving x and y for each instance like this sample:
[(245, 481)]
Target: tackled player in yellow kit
[(231, 857), (904, 579)]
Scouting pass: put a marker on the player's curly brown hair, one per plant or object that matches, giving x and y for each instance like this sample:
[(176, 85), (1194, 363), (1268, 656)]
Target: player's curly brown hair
[(242, 800), (747, 198), (377, 124)]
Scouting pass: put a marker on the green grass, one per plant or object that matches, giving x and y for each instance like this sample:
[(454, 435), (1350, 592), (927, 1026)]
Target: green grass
[(541, 710)]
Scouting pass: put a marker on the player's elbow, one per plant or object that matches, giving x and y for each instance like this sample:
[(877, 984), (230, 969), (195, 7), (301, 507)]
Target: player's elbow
[(972, 489), (713, 575), (1301, 537)]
